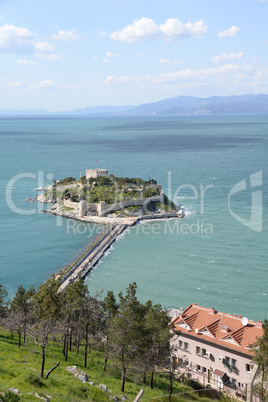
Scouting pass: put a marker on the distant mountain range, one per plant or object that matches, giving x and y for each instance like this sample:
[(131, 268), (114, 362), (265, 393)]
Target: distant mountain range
[(180, 105)]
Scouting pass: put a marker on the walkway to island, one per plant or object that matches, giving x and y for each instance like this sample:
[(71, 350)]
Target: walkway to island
[(89, 258)]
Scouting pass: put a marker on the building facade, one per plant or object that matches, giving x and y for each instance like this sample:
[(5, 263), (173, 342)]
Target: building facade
[(214, 348), (96, 173)]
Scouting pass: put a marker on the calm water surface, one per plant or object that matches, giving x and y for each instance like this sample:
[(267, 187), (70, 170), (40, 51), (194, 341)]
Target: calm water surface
[(209, 258)]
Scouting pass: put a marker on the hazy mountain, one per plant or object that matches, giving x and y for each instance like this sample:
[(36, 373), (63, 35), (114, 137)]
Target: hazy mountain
[(33, 112), (180, 105), (100, 110), (243, 104)]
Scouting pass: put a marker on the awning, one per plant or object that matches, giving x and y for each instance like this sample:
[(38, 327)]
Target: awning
[(218, 373)]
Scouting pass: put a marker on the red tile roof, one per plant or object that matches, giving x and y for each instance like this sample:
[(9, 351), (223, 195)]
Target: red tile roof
[(220, 328)]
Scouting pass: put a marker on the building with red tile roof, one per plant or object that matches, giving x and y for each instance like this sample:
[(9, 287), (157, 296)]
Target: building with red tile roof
[(216, 348)]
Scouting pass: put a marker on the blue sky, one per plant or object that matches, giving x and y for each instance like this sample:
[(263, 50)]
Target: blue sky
[(67, 54)]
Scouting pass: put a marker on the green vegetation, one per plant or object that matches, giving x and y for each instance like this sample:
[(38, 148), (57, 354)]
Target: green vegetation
[(65, 182), (110, 189), (121, 344), (261, 359)]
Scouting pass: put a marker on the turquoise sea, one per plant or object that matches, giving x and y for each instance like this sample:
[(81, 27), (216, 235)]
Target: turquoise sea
[(215, 166)]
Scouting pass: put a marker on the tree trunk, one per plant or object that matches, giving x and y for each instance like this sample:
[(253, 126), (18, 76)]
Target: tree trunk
[(53, 368), (43, 360), (19, 332), (152, 380), (170, 386), (123, 374), (64, 344), (70, 340), (86, 347), (66, 349), (144, 377), (105, 363), (24, 330)]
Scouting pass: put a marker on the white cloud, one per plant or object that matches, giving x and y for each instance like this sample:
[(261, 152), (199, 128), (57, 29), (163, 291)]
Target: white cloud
[(121, 80), (46, 85), (15, 85), (67, 36), (110, 54), (48, 56), (15, 39), (105, 61), (167, 61), (226, 72), (20, 40), (43, 47), (100, 34), (164, 61), (94, 57), (147, 29), (232, 31), (23, 61), (226, 57)]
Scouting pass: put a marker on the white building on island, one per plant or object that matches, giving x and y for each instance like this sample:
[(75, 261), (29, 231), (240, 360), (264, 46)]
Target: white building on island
[(96, 173)]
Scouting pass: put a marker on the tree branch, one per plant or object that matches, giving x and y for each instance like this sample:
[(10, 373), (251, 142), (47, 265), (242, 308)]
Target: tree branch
[(53, 368)]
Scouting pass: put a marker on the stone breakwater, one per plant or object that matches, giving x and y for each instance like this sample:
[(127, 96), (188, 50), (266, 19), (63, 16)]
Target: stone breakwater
[(114, 226)]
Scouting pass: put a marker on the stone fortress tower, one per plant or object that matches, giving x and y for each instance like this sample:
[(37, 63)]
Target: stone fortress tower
[(96, 173)]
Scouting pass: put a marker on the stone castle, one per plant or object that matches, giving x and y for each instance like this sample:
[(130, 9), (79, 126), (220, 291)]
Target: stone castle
[(96, 173)]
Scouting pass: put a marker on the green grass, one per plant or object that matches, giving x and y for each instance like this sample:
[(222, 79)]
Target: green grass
[(20, 368)]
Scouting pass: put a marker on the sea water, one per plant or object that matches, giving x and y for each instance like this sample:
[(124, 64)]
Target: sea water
[(216, 167)]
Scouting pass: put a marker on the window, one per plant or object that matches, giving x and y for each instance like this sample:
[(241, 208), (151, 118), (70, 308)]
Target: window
[(233, 362), (198, 368), (204, 352), (233, 382), (186, 345), (180, 344), (227, 360), (204, 370), (247, 368), (198, 350)]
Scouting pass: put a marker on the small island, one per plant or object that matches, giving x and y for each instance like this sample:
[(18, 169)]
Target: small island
[(116, 202), (102, 198)]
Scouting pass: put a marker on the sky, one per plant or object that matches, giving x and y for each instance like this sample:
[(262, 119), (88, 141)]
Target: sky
[(62, 55)]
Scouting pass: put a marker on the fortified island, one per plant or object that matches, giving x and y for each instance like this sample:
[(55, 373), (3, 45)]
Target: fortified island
[(116, 202)]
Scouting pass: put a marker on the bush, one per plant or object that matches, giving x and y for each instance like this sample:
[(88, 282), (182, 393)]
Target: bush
[(34, 380), (9, 397)]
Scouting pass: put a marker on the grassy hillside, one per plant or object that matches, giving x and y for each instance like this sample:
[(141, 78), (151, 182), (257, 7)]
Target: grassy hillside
[(20, 368)]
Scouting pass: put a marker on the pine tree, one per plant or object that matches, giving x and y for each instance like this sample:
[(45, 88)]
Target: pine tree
[(3, 302), (126, 332), (47, 305), (261, 359), (20, 311)]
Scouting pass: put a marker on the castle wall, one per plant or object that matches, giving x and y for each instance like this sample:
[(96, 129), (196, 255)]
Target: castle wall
[(105, 208), (96, 173)]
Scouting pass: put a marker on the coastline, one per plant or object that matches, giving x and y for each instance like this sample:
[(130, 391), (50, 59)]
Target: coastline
[(129, 221), (90, 257)]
